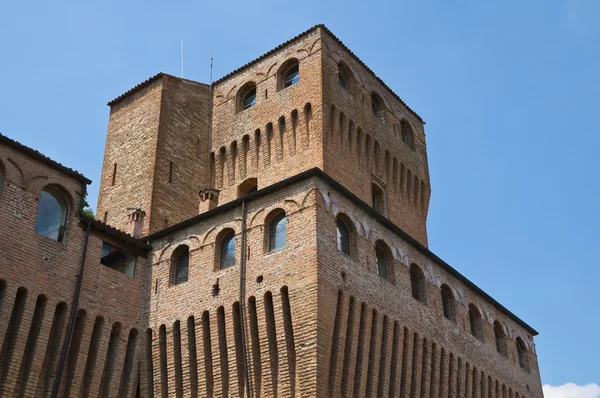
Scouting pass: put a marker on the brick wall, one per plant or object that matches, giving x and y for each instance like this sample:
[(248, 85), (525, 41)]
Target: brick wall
[(37, 283)]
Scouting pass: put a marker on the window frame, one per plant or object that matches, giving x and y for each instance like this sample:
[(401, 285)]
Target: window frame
[(417, 284), (243, 93), (382, 254), (339, 236), (226, 237), (475, 322), (175, 264), (499, 336), (282, 74), (377, 198), (448, 303), (378, 109), (58, 197), (273, 218)]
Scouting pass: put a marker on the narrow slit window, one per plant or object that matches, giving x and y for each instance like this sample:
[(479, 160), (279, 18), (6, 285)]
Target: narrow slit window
[(114, 174)]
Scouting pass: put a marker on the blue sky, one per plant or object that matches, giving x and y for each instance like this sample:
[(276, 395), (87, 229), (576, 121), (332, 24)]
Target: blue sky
[(508, 89)]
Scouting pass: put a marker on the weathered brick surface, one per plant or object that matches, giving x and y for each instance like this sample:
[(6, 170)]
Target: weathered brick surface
[(313, 321)]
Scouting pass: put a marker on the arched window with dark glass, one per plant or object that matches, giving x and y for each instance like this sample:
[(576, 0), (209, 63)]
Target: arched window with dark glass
[(246, 96), (377, 107), (343, 236), (417, 283), (248, 186), (277, 231), (52, 215), (290, 72), (292, 76), (227, 250), (181, 264), (448, 303), (382, 261), (408, 136), (475, 322), (249, 99), (377, 198), (499, 336), (522, 353), (341, 79)]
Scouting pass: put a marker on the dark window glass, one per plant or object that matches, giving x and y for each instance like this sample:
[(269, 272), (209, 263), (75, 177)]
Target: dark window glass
[(343, 237), (277, 232), (52, 215), (118, 260), (249, 98), (403, 136), (415, 283), (341, 79), (181, 266), (382, 269), (227, 258), (374, 107), (292, 76)]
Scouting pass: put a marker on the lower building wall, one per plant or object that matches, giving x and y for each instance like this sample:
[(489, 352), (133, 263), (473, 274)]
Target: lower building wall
[(376, 340), (194, 346), (102, 352)]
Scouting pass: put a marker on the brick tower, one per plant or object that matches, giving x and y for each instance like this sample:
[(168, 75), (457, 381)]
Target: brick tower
[(276, 246), (156, 154)]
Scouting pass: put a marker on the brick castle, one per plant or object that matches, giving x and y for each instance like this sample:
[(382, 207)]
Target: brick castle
[(262, 236)]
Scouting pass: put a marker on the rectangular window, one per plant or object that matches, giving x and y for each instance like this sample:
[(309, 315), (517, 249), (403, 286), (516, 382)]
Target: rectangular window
[(118, 260)]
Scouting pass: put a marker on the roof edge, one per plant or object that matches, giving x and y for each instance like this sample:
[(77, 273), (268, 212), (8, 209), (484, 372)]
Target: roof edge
[(146, 83), (43, 159), (316, 172), (114, 232)]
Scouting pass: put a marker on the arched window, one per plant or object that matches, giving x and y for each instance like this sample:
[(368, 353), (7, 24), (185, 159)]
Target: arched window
[(344, 77), (417, 283), (377, 198), (250, 98), (52, 215), (377, 107), (341, 79), (382, 260), (475, 322), (246, 97), (181, 264), (407, 135), (522, 353), (248, 186), (227, 250), (343, 236), (277, 231), (499, 335), (289, 74), (448, 303)]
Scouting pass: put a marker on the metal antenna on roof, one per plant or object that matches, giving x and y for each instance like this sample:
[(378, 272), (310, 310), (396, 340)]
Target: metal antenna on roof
[(182, 58), (211, 66)]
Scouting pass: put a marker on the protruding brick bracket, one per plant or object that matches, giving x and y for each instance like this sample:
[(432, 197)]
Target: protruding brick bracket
[(209, 199), (135, 221)]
